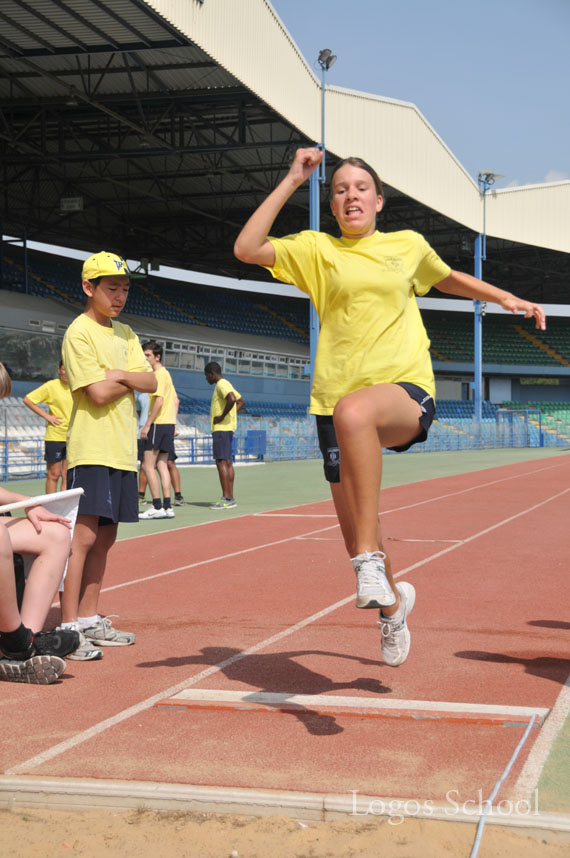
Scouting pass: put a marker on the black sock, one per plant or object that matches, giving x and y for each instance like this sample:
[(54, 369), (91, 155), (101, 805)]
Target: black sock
[(178, 496), (17, 642), (156, 503), (166, 503), (141, 495)]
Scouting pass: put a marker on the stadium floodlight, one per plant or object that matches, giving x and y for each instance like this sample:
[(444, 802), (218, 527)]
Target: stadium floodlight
[(485, 179), (325, 59)]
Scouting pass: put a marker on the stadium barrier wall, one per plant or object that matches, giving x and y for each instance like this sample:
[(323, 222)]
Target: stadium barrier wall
[(271, 440)]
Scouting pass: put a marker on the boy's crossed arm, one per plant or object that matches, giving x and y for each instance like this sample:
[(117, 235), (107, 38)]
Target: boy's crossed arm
[(118, 383)]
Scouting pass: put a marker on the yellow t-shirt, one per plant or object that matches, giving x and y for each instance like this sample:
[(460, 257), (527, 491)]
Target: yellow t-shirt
[(164, 388), (101, 434), (57, 396), (229, 423), (364, 293)]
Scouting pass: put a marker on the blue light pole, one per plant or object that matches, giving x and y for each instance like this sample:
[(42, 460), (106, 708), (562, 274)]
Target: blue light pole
[(485, 178), (325, 59)]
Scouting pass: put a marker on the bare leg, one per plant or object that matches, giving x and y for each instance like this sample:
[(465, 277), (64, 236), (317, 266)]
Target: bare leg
[(54, 470), (10, 619), (142, 480), (51, 550), (226, 474), (84, 537), (94, 570), (162, 468), (149, 465), (365, 421), (347, 532), (174, 476)]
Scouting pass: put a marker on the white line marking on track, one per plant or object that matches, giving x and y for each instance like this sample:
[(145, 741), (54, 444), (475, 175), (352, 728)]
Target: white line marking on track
[(471, 489), (84, 736), (321, 530), (530, 774)]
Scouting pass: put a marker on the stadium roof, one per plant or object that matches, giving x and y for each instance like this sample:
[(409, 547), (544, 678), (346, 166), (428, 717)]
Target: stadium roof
[(155, 128)]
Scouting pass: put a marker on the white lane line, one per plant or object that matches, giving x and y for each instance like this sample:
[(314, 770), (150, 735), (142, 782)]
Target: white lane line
[(102, 726), (471, 489), (530, 774), (278, 514), (322, 530), (293, 514), (62, 747)]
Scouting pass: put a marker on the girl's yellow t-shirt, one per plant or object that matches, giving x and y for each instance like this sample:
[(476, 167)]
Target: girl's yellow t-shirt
[(364, 291)]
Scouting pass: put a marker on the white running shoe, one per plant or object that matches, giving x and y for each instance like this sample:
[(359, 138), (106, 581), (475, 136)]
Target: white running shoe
[(372, 588), (169, 513), (86, 651), (151, 512), (396, 636)]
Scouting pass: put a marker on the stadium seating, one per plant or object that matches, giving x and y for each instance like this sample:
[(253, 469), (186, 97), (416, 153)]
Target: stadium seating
[(275, 316), (506, 339)]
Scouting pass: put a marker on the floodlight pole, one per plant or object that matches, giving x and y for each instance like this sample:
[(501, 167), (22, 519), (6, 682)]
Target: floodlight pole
[(318, 177), (485, 180)]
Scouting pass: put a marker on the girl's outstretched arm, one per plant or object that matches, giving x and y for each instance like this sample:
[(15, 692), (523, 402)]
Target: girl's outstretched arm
[(467, 286), (251, 244)]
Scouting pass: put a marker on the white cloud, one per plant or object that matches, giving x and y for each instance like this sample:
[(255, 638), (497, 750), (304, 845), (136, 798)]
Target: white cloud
[(556, 176)]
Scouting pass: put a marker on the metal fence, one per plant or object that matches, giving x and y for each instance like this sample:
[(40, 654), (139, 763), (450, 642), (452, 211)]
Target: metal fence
[(263, 439)]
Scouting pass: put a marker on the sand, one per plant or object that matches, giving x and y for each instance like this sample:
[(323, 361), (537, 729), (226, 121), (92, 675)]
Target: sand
[(150, 834)]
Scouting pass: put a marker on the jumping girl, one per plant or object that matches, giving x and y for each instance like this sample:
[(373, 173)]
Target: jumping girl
[(373, 383)]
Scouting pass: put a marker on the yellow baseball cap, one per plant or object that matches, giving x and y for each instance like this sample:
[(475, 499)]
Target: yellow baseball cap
[(104, 264)]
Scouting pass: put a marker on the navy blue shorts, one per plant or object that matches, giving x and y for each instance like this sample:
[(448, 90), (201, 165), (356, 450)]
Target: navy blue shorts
[(110, 493), (222, 445), (141, 444), (327, 436), (161, 438), (54, 451)]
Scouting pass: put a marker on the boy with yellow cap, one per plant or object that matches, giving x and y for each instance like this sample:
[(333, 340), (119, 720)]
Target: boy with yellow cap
[(105, 364)]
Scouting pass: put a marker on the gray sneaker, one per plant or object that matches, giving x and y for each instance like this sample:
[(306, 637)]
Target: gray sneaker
[(372, 587), (85, 651), (395, 633), (224, 503), (103, 633), (37, 670)]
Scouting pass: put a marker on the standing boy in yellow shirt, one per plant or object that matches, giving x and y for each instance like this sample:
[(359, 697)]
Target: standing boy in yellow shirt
[(105, 365), (57, 396), (226, 402), (158, 432)]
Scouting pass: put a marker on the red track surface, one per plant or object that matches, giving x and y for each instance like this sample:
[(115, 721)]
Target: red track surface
[(497, 577)]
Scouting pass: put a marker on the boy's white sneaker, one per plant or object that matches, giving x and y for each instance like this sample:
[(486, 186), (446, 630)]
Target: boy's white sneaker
[(151, 512), (396, 636), (372, 587)]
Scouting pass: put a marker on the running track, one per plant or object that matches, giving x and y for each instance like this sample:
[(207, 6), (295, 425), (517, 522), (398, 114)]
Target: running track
[(265, 603)]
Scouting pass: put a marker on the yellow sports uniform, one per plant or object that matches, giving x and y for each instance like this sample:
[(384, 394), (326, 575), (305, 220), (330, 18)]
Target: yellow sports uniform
[(229, 423), (101, 434), (164, 388), (57, 396), (364, 293)]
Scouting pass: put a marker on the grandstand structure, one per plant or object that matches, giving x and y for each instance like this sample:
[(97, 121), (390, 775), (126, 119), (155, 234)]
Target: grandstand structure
[(155, 130)]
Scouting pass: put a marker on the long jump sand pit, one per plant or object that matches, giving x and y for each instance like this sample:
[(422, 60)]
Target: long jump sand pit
[(151, 834)]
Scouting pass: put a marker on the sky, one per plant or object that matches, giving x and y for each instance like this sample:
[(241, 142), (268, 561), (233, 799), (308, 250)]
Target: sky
[(490, 76)]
